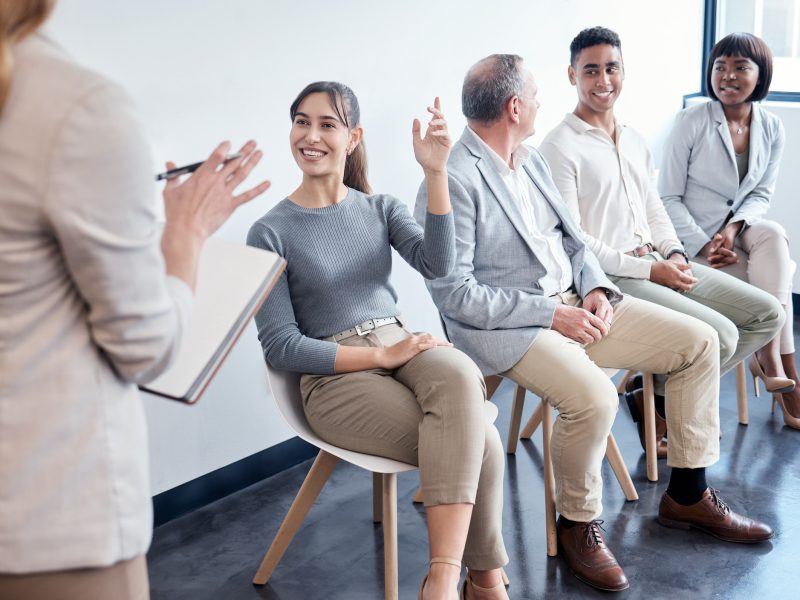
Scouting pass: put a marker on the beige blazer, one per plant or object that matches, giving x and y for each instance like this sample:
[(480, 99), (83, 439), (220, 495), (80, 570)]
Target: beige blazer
[(85, 312)]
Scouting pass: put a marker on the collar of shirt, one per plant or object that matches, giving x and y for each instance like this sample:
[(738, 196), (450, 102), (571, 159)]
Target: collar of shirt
[(518, 157), (582, 126)]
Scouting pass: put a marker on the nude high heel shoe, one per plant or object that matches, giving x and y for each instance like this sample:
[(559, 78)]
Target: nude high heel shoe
[(444, 560), (774, 385), (468, 582), (788, 419)]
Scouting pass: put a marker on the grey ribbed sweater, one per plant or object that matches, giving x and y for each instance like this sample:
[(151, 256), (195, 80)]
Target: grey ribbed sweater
[(339, 263)]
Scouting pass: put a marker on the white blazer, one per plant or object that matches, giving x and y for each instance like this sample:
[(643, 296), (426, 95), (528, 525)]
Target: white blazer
[(699, 181), (85, 311)]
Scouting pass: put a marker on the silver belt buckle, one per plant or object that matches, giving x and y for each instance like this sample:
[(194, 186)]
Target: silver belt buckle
[(361, 332)]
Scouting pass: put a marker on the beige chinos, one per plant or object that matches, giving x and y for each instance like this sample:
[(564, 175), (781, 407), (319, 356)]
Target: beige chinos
[(744, 316), (764, 262), (430, 413), (568, 375)]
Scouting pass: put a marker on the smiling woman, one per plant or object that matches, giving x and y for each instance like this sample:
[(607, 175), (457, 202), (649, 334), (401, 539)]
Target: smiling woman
[(718, 178), (368, 383)]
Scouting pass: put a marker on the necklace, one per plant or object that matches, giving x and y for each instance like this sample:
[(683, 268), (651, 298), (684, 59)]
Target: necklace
[(741, 129)]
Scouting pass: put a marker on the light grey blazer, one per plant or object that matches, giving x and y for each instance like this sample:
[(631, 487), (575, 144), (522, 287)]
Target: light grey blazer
[(491, 303), (699, 182)]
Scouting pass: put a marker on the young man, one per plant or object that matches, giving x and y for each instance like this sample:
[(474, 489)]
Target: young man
[(604, 173), (527, 299)]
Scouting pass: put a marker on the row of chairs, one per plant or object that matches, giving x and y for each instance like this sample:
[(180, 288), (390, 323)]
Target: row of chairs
[(286, 392)]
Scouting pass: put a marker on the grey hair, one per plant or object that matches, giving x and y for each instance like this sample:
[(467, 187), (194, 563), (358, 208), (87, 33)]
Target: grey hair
[(489, 84)]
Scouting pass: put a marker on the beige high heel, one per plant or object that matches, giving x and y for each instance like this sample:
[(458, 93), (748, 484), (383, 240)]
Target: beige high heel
[(788, 419), (474, 586), (774, 385), (446, 560)]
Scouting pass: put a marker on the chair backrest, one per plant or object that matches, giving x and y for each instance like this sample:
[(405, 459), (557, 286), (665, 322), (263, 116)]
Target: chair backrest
[(285, 387)]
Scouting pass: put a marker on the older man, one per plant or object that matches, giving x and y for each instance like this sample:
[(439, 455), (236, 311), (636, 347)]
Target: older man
[(527, 299)]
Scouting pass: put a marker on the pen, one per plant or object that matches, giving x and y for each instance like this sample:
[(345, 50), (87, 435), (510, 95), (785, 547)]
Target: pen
[(191, 168)]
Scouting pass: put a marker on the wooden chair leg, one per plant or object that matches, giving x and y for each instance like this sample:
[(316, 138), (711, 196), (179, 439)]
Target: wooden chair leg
[(377, 497), (390, 536), (516, 418), (417, 499), (624, 381), (492, 383), (532, 423), (614, 457), (741, 393), (651, 453), (549, 481), (312, 485)]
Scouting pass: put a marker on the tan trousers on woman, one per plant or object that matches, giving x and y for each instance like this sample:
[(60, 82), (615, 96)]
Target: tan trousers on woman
[(125, 580), (645, 337), (764, 262), (430, 413)]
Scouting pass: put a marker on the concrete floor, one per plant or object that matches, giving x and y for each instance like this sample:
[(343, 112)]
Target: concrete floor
[(337, 554)]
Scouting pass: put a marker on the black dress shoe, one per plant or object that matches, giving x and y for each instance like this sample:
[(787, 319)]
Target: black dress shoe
[(635, 401)]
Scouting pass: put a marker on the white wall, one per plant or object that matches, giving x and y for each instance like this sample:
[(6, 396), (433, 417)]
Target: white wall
[(203, 71)]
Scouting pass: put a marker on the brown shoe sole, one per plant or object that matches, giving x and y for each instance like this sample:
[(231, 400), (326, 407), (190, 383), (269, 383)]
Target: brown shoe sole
[(683, 525)]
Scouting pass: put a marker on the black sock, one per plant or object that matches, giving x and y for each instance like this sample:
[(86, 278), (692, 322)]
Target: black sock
[(565, 522), (686, 486)]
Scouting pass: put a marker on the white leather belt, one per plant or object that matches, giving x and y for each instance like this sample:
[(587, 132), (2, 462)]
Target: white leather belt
[(362, 328)]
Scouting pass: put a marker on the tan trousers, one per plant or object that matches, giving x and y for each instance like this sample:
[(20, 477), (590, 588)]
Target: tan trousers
[(764, 261), (744, 317), (125, 580), (430, 413), (643, 336)]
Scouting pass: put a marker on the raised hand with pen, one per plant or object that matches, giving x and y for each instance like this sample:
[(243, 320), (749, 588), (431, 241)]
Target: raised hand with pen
[(196, 206)]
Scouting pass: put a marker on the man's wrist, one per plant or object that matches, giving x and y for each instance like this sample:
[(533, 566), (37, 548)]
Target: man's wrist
[(680, 251)]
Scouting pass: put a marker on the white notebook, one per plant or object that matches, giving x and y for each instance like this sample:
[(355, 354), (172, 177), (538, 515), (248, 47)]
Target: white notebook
[(233, 281)]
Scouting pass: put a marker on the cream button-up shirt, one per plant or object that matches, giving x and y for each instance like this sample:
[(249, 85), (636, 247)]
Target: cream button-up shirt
[(541, 221), (611, 190)]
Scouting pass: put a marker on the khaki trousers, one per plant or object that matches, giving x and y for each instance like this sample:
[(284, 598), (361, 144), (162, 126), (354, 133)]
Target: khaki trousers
[(744, 317), (125, 580), (430, 413), (764, 262), (567, 375)]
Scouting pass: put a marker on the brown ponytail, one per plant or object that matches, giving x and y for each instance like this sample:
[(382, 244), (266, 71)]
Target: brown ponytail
[(355, 169), (18, 18), (345, 104)]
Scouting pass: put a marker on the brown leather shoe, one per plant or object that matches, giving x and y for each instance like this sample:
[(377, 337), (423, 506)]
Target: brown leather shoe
[(713, 516), (635, 400), (588, 557)]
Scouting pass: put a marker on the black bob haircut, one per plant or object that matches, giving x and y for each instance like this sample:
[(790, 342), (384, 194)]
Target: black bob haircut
[(748, 46)]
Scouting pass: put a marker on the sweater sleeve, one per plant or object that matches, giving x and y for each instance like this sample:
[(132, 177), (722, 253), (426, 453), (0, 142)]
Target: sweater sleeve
[(432, 250), (283, 344)]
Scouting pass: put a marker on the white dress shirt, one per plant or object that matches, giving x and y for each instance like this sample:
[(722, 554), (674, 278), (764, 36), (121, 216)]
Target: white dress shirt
[(611, 190), (86, 311), (541, 221)]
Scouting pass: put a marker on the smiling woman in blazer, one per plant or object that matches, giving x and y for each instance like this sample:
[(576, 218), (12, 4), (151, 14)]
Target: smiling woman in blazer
[(720, 166)]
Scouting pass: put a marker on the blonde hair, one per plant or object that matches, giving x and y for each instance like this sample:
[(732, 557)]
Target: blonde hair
[(18, 18)]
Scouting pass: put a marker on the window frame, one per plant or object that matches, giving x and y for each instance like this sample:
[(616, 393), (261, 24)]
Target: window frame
[(709, 39)]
